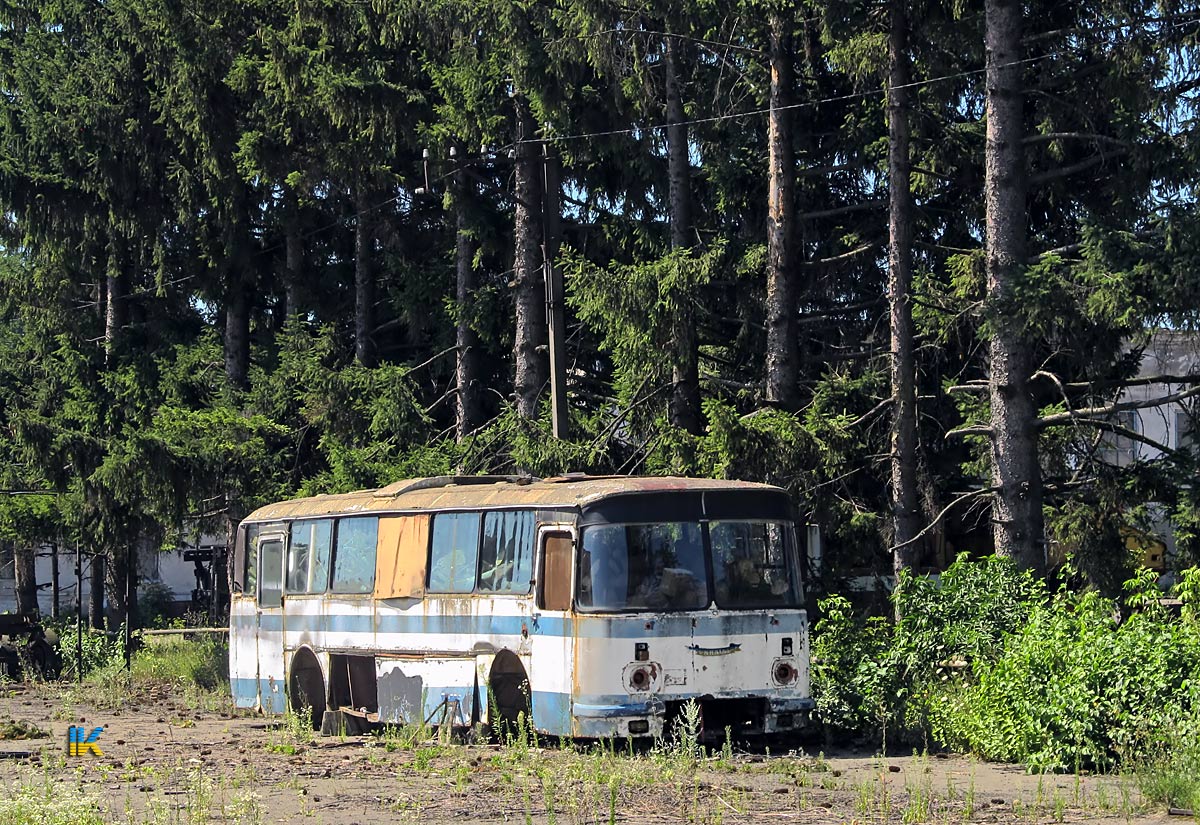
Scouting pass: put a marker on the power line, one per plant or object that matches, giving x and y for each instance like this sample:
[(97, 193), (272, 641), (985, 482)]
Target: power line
[(755, 112), (731, 116)]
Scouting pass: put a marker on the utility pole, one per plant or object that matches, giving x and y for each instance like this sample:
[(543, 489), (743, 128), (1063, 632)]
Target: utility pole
[(555, 292), (54, 580)]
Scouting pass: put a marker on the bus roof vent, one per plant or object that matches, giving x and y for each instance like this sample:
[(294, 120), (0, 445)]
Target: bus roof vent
[(412, 485), (567, 478)]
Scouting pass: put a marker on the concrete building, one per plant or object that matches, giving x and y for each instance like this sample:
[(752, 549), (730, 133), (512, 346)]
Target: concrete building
[(182, 576), (1165, 422)]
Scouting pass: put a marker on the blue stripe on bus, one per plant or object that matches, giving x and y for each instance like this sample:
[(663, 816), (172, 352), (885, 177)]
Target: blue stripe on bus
[(245, 692), (588, 627)]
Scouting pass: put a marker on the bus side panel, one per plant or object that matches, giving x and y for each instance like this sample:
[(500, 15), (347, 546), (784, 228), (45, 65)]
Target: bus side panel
[(272, 684), (304, 621), (552, 672), (347, 623), (243, 652)]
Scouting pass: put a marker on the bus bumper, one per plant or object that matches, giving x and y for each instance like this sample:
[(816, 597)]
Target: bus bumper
[(620, 720), (787, 715)]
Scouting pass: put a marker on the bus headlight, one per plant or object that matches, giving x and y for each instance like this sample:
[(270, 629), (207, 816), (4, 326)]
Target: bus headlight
[(642, 677), (783, 672)]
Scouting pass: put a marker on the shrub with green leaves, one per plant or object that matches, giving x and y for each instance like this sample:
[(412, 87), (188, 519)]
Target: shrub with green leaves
[(1080, 686), (985, 660), (877, 676)]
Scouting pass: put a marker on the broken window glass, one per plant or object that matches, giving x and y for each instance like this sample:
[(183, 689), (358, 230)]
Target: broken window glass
[(308, 556), (354, 558), (506, 558)]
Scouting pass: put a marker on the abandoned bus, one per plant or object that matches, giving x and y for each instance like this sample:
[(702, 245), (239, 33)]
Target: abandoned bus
[(595, 605)]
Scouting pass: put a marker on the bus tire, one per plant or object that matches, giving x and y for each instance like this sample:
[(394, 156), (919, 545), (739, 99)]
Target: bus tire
[(306, 687), (508, 697)]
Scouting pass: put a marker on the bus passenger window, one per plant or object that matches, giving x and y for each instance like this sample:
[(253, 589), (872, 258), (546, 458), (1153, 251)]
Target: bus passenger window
[(308, 556), (506, 558), (354, 555), (297, 557), (400, 557), (454, 553)]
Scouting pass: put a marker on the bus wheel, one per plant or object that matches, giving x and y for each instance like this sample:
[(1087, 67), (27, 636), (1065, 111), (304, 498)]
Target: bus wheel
[(508, 697), (306, 687)]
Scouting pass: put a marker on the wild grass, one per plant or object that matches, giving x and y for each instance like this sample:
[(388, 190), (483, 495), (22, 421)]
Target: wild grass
[(1171, 775), (43, 800), (13, 729), (196, 671)]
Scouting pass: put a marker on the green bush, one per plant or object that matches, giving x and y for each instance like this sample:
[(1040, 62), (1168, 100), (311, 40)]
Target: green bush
[(877, 676), (985, 660), (99, 649), (1077, 686), (202, 662)]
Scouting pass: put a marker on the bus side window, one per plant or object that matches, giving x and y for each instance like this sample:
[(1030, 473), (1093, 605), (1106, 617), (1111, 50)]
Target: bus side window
[(400, 557), (454, 552), (555, 581), (308, 556), (354, 555), (506, 557), (270, 579)]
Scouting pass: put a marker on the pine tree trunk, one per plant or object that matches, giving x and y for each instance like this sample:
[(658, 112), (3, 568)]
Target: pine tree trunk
[(467, 412), (532, 360), (237, 333), (294, 257), (25, 571), (115, 313), (1017, 503), (905, 515), (122, 585), (684, 405), (237, 327), (781, 368), (364, 281)]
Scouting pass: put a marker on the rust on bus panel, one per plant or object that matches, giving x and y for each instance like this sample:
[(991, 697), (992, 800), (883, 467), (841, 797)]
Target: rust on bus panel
[(416, 495)]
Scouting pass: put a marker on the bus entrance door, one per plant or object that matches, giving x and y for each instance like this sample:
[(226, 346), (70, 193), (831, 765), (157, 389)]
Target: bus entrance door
[(272, 690)]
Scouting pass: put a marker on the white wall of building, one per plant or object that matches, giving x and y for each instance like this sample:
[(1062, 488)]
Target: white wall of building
[(154, 565)]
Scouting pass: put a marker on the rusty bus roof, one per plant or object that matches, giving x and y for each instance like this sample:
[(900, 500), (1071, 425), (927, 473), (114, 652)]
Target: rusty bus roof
[(481, 492)]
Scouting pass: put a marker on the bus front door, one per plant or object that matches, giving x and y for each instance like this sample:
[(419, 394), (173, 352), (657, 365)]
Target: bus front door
[(272, 690)]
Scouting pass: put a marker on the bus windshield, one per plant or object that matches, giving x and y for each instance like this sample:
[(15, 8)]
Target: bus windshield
[(643, 567), (661, 567)]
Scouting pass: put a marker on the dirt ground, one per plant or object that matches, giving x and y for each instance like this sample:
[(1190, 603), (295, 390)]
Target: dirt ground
[(166, 762)]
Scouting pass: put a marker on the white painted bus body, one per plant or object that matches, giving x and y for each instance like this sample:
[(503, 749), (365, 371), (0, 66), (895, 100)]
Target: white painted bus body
[(589, 674)]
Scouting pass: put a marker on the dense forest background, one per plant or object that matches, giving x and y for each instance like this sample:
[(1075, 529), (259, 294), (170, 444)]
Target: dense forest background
[(898, 258)]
